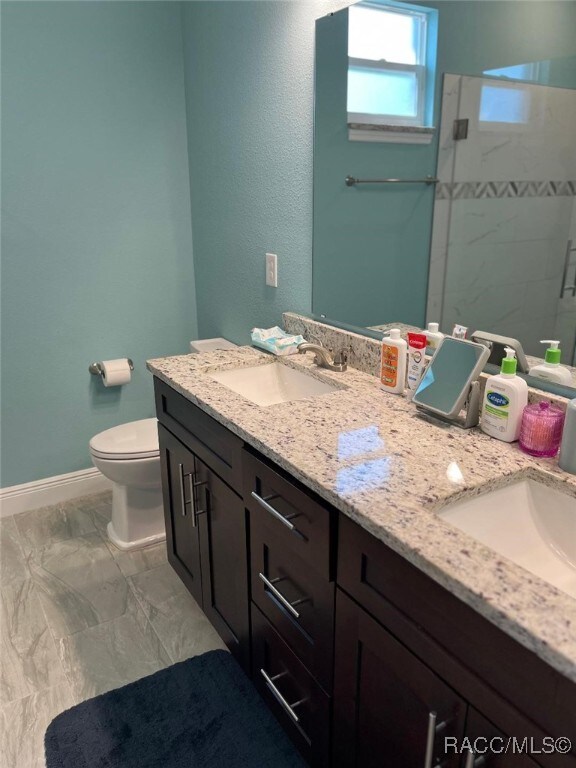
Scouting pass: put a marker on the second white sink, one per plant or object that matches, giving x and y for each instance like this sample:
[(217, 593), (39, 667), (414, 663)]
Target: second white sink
[(527, 522), (272, 383)]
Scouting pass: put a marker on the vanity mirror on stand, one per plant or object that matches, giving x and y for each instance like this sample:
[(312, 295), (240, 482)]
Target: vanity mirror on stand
[(450, 384)]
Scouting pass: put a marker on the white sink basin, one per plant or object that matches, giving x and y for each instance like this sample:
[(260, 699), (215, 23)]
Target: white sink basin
[(527, 522), (272, 383)]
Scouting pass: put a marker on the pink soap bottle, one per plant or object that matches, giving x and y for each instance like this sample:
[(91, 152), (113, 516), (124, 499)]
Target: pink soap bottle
[(541, 430)]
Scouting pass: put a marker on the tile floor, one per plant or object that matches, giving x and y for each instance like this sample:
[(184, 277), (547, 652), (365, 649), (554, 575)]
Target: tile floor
[(78, 618)]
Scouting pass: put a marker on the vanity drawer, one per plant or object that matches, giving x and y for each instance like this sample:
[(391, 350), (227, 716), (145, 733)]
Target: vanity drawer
[(298, 702), (304, 524), (296, 599), (218, 448)]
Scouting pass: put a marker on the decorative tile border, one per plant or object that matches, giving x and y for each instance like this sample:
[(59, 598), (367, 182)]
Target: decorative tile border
[(461, 190)]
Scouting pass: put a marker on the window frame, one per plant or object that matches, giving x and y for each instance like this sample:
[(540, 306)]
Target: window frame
[(419, 69)]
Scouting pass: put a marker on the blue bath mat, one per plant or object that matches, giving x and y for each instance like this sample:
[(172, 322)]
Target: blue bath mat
[(200, 713)]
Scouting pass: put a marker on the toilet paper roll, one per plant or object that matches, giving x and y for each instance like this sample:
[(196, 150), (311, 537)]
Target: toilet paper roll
[(116, 372)]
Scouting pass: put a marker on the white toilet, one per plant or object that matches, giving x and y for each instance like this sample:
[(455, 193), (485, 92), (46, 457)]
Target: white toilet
[(129, 456)]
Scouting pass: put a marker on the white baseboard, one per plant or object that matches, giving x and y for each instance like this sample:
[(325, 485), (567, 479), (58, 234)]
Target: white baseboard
[(51, 490)]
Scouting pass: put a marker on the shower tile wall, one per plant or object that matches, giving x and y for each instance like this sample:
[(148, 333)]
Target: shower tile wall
[(504, 211), (566, 318)]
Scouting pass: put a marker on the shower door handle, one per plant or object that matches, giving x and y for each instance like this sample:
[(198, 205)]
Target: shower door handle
[(566, 286)]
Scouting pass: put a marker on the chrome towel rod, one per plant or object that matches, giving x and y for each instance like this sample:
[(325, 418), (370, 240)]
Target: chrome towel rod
[(351, 181)]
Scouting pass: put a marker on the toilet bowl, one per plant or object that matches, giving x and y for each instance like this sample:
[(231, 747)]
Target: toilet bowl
[(129, 456)]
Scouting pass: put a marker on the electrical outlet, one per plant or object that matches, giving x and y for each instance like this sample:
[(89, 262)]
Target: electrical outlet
[(272, 270)]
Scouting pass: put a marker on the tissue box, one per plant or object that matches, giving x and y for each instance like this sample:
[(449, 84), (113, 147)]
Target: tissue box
[(276, 340)]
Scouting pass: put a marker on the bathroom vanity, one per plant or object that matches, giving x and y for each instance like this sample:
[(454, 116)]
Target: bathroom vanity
[(308, 532)]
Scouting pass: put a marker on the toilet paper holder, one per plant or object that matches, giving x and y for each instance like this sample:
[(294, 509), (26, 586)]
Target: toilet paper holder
[(97, 370)]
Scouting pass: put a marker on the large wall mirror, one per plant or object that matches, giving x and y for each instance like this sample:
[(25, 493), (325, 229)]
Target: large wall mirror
[(481, 228)]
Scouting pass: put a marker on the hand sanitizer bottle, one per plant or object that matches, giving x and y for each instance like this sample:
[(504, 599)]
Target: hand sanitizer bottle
[(551, 370), (505, 397)]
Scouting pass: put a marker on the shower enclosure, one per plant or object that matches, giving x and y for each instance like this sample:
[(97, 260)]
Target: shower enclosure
[(503, 255)]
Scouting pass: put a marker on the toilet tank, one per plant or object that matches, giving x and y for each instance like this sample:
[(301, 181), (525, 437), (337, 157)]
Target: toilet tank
[(209, 345)]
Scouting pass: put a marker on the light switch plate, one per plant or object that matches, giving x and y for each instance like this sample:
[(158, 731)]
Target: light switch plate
[(272, 270)]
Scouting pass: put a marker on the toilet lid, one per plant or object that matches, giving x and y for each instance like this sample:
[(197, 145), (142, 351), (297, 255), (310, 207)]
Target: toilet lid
[(137, 439)]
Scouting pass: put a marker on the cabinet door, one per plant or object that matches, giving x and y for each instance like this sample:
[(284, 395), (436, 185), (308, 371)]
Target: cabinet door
[(491, 748), (390, 710), (182, 540), (222, 524)]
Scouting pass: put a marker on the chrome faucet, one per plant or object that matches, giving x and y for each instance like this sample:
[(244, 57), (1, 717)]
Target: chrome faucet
[(323, 358)]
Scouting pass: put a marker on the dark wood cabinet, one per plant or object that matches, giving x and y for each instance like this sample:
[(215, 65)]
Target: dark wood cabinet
[(364, 660), (178, 467), (295, 598), (206, 541), (292, 564), (508, 691), (222, 528), (299, 703), (492, 748), (389, 708)]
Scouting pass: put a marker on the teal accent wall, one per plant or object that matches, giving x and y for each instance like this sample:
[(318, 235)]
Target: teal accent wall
[(371, 243), (477, 35), (122, 123), (249, 79), (96, 232)]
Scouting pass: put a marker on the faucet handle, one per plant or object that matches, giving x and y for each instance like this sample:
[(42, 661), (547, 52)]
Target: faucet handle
[(341, 357)]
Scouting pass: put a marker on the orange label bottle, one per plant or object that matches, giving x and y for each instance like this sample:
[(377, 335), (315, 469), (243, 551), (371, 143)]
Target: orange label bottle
[(393, 363)]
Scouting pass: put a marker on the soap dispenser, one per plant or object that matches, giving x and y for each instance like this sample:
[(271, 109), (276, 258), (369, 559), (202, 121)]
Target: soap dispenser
[(505, 397), (551, 370)]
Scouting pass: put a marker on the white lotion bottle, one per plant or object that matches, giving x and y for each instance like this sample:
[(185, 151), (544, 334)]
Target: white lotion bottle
[(505, 397), (393, 363), (550, 369), (434, 338)]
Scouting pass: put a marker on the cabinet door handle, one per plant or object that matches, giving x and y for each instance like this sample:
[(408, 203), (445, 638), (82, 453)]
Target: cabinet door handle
[(474, 761), (433, 729), (195, 507), (270, 585), (183, 501), (289, 708), (274, 512)]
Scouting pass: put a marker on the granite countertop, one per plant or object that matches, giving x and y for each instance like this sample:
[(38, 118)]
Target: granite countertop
[(372, 457)]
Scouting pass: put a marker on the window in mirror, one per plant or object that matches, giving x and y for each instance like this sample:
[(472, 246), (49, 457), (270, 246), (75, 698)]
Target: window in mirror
[(503, 104), (532, 72), (388, 50)]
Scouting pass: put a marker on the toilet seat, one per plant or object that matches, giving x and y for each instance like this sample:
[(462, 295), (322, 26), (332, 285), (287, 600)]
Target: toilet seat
[(135, 440)]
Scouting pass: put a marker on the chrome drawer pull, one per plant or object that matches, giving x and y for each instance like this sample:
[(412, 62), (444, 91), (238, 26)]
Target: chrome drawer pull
[(433, 729), (183, 501), (274, 512), (279, 595), (279, 698)]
